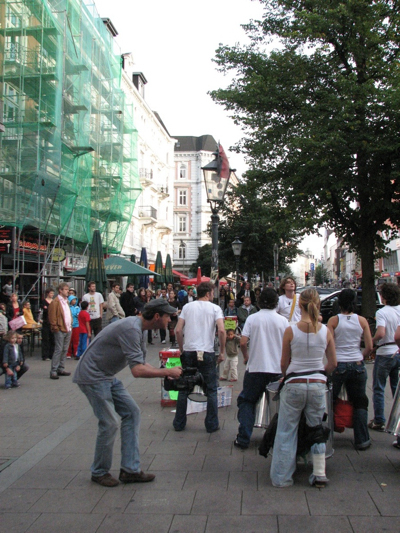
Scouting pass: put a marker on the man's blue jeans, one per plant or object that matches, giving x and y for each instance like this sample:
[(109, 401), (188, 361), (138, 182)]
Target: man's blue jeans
[(354, 377), (294, 398), (109, 399), (254, 384), (384, 367), (208, 369)]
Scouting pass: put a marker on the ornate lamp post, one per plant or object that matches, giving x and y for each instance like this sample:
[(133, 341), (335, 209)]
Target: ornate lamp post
[(237, 251), (216, 178)]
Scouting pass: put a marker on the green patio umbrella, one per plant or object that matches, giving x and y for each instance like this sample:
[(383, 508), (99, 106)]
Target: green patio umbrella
[(169, 277), (95, 270), (159, 269), (118, 266)]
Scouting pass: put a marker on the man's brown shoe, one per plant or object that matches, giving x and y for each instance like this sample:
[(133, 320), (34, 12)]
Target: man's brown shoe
[(63, 373), (137, 477), (106, 481)]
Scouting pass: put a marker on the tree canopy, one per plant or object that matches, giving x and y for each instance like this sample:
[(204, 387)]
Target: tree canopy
[(317, 94), (259, 225)]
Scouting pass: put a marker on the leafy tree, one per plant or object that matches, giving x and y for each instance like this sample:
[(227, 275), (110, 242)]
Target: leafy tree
[(321, 117), (204, 262), (321, 275), (259, 226)]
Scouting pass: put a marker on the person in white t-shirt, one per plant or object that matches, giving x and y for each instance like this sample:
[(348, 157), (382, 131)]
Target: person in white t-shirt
[(265, 331), (195, 334), (95, 309), (288, 305), (387, 360)]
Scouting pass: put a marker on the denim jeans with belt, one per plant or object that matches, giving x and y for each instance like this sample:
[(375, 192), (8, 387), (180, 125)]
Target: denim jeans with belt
[(109, 399), (354, 377), (294, 398), (254, 384), (384, 367), (208, 369)]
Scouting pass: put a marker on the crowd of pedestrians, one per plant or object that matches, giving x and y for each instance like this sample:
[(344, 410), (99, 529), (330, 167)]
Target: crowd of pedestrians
[(281, 338)]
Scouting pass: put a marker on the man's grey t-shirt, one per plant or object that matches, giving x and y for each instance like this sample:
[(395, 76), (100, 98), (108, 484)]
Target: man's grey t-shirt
[(120, 344)]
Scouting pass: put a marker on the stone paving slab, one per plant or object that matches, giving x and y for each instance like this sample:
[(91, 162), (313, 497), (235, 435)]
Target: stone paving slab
[(16, 522), (341, 502), (362, 524), (202, 484), (314, 524)]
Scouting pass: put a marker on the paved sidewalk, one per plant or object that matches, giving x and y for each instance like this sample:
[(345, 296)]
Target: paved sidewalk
[(203, 483)]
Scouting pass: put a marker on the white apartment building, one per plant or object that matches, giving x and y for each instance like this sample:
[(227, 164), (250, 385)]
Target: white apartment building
[(152, 221), (192, 213)]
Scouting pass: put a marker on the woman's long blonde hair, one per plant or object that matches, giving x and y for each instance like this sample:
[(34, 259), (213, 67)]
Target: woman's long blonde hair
[(310, 302)]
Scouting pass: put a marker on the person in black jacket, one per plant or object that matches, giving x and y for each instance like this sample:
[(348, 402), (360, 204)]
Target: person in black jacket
[(189, 298), (245, 291), (127, 300)]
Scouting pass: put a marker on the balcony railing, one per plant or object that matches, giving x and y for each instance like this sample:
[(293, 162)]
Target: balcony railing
[(147, 212), (146, 174)]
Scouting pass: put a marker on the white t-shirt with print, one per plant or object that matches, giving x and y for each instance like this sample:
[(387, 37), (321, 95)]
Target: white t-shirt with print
[(94, 304)]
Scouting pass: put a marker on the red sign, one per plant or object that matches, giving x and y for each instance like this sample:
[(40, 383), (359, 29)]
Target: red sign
[(5, 240)]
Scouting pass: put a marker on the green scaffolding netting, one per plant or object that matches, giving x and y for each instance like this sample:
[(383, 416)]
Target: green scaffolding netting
[(68, 156)]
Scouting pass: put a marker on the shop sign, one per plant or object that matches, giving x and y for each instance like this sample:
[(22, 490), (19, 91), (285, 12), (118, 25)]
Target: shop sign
[(6, 240), (30, 244), (58, 255)]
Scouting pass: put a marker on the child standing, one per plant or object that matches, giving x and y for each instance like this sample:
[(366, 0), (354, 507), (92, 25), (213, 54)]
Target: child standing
[(12, 359), (85, 330), (232, 356), (75, 310)]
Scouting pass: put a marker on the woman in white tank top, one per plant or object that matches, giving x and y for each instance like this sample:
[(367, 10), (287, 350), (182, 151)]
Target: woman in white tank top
[(347, 329), (303, 349)]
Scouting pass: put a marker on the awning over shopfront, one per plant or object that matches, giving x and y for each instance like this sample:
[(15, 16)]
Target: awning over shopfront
[(179, 275), (118, 266)]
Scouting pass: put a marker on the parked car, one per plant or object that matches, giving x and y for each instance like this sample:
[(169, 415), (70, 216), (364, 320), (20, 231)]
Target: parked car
[(330, 306), (320, 290)]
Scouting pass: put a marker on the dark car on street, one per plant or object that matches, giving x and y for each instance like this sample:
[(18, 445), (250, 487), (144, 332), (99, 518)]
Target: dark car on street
[(330, 306), (320, 290)]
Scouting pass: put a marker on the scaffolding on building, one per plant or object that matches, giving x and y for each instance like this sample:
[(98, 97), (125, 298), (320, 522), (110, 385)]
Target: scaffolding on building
[(68, 155)]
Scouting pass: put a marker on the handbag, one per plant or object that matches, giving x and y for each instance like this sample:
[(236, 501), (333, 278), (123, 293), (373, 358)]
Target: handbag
[(17, 323), (342, 412)]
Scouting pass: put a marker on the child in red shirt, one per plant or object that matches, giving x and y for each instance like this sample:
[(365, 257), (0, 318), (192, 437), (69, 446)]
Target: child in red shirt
[(85, 331)]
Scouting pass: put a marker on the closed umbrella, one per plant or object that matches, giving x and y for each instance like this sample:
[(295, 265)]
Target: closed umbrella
[(159, 269), (143, 280), (95, 270), (132, 279), (198, 275), (169, 277)]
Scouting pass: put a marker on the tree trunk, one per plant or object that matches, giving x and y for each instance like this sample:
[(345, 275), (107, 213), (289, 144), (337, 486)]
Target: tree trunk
[(368, 307)]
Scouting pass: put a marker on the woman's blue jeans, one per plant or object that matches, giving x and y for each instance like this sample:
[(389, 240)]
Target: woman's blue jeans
[(294, 398), (384, 367), (354, 377), (208, 369), (109, 400)]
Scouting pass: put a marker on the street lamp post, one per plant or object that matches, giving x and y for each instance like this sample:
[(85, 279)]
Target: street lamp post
[(182, 247), (216, 179), (237, 251)]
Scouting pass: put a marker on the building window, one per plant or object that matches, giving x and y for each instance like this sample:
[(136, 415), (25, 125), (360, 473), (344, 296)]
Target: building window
[(183, 171), (182, 197), (182, 251), (391, 263), (182, 224)]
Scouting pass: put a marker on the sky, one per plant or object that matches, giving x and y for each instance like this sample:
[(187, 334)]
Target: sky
[(173, 43)]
